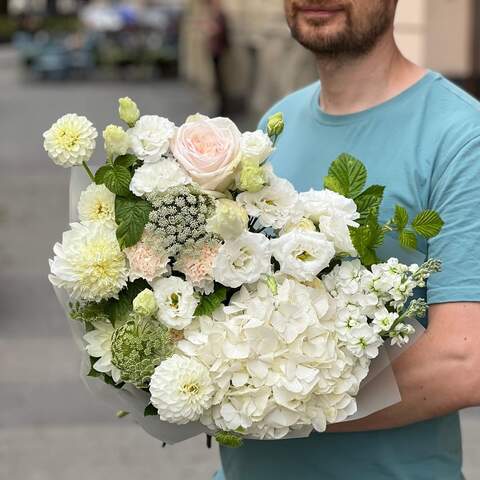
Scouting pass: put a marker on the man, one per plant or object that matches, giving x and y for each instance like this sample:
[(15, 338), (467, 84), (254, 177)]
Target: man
[(418, 135)]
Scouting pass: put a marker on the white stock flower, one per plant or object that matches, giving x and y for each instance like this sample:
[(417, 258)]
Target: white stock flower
[(364, 341), (99, 345), (70, 141), (158, 177), (273, 204), (256, 146), (181, 390), (401, 334), (176, 302), (97, 203), (303, 254), (150, 137), (89, 263), (243, 260), (383, 320)]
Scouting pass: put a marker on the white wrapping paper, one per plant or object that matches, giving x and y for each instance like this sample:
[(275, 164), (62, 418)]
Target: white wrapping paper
[(379, 390)]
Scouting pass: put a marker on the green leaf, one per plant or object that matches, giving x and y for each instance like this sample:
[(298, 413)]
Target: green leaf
[(209, 303), (408, 239), (332, 184), (428, 223), (117, 179), (126, 161), (366, 239), (131, 215), (375, 190), (228, 439), (100, 174), (400, 217), (119, 309), (368, 202), (348, 175), (150, 411)]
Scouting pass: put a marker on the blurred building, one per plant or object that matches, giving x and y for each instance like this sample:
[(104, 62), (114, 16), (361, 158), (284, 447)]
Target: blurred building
[(264, 63)]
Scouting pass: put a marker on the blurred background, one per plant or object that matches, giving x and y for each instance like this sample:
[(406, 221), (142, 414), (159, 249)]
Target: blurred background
[(173, 57)]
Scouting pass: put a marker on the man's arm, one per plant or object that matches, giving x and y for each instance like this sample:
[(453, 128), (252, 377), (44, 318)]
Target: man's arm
[(438, 375)]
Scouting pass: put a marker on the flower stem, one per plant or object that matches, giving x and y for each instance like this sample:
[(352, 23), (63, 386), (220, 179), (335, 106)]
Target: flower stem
[(89, 172)]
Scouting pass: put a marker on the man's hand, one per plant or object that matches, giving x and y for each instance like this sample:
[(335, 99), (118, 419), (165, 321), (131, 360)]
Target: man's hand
[(438, 375)]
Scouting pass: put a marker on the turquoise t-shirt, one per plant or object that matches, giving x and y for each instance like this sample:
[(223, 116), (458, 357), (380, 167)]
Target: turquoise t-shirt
[(424, 146)]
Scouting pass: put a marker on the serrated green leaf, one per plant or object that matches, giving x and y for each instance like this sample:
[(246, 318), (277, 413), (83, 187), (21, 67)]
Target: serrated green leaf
[(126, 161), (348, 174), (366, 239), (400, 217), (100, 174), (209, 303), (119, 310), (408, 239), (375, 190), (117, 179), (428, 223), (332, 184), (229, 439), (131, 215), (150, 411)]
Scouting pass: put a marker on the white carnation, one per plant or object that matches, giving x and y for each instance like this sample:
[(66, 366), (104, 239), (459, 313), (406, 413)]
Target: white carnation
[(150, 137), (158, 177), (243, 260), (176, 302), (181, 390), (303, 254), (256, 146), (97, 203)]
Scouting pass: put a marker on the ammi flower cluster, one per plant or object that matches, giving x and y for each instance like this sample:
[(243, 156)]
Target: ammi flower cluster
[(207, 281)]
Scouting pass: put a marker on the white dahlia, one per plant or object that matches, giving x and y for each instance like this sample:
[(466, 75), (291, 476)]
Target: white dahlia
[(303, 254), (181, 390), (243, 260), (89, 263), (176, 302), (70, 140), (150, 137), (99, 345), (97, 203), (157, 177)]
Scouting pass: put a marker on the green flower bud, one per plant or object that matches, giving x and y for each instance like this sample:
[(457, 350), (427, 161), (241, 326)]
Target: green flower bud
[(117, 141), (145, 304), (228, 439), (128, 111), (275, 125), (272, 284), (252, 177)]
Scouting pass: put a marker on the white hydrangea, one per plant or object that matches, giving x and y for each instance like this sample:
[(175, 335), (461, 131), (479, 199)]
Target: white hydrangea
[(89, 263), (97, 204), (303, 254), (99, 345), (150, 137), (243, 260), (181, 390), (256, 146), (273, 204), (158, 177), (176, 302), (70, 141)]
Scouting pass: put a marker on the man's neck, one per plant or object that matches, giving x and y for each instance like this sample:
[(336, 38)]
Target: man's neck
[(355, 84)]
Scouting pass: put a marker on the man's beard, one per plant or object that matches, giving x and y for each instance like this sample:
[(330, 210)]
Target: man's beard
[(353, 41)]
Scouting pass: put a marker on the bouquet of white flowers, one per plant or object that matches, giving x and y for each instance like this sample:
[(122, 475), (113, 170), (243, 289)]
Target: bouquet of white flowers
[(211, 294)]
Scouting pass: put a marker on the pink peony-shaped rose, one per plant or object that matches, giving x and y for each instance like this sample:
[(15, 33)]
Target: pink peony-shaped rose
[(209, 150)]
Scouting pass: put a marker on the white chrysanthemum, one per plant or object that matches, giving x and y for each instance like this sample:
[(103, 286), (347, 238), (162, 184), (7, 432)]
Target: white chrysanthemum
[(158, 177), (256, 146), (181, 390), (99, 345), (150, 137), (89, 263), (333, 214), (70, 140), (97, 204), (303, 254), (176, 302), (243, 260), (273, 204)]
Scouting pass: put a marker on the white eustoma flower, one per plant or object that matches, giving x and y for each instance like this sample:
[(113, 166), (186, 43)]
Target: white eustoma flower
[(256, 146), (181, 389), (273, 204), (176, 302), (89, 263), (303, 254), (96, 204), (150, 137), (243, 260), (364, 341), (99, 345), (70, 141), (158, 177)]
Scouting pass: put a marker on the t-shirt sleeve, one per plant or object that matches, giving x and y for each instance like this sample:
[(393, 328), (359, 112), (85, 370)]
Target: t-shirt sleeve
[(455, 195)]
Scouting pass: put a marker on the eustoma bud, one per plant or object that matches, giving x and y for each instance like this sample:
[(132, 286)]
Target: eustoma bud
[(117, 141), (128, 111), (275, 125)]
